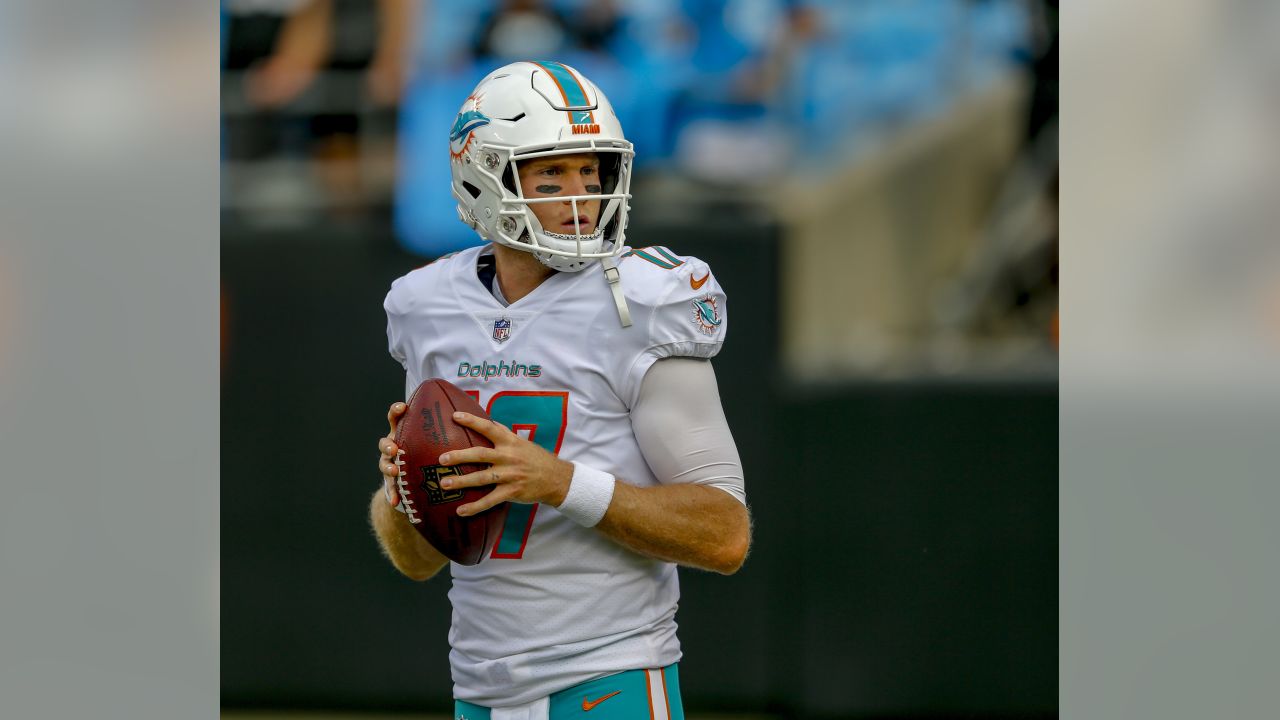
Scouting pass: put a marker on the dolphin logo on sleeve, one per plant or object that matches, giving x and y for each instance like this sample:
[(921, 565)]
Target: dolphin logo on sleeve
[(706, 315)]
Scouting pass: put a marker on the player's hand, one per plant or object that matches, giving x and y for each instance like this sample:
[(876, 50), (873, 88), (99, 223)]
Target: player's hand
[(388, 450), (522, 471)]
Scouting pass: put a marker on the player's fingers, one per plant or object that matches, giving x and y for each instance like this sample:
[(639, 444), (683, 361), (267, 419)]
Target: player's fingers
[(487, 476), (389, 469), (488, 428), (387, 447), (500, 494), (485, 455), (393, 413)]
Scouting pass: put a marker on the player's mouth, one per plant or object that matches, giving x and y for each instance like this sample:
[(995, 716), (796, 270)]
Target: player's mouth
[(584, 223)]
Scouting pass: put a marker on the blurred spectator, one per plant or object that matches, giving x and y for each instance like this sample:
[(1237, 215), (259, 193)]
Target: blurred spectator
[(305, 42), (297, 53), (252, 31), (446, 32), (878, 65), (294, 56), (521, 30), (732, 93), (596, 27)]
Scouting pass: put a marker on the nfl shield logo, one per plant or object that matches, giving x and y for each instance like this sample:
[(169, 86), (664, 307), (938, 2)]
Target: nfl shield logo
[(501, 329)]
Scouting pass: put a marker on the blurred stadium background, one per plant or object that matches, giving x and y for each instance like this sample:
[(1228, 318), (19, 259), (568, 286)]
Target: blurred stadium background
[(874, 183)]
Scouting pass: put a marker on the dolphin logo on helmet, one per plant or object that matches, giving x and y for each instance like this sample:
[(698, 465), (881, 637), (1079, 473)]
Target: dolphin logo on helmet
[(466, 123)]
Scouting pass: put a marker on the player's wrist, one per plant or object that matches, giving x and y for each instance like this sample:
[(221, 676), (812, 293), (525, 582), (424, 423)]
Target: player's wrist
[(590, 492)]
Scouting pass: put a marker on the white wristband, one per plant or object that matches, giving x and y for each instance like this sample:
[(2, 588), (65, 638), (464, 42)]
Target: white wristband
[(590, 492)]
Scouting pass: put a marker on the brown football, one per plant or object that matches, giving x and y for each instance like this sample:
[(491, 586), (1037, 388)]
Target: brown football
[(424, 433)]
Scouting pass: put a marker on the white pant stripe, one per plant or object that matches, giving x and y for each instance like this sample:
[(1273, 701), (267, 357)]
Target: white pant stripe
[(657, 694)]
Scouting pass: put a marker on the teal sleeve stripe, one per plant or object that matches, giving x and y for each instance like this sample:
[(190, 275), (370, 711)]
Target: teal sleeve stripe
[(668, 255), (660, 263)]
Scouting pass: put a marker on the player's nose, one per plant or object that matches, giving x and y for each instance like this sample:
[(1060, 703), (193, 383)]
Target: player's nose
[(575, 185)]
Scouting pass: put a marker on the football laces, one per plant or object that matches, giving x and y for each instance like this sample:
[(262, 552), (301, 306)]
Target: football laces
[(403, 484)]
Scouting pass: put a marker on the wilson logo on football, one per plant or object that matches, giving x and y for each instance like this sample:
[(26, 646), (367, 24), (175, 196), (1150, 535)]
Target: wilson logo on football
[(433, 425)]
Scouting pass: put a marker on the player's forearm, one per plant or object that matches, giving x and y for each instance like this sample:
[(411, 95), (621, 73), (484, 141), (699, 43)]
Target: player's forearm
[(395, 18), (412, 555), (307, 33), (691, 525)]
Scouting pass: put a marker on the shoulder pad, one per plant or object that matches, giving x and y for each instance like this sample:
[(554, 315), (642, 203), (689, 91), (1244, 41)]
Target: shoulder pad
[(651, 274), (678, 309), (406, 290), (684, 303)]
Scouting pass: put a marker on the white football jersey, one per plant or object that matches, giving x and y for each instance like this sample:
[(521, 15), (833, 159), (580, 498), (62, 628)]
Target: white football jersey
[(555, 604)]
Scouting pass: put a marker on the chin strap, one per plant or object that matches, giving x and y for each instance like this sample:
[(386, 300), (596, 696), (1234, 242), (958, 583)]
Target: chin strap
[(615, 284)]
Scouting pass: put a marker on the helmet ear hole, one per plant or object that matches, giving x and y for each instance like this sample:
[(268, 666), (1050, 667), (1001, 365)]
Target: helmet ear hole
[(610, 230), (610, 168), (472, 190)]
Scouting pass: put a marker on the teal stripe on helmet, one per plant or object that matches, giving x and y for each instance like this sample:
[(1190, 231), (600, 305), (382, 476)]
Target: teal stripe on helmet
[(573, 91), (574, 94)]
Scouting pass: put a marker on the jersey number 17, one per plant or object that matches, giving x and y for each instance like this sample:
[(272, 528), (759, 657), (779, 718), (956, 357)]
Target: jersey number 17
[(540, 418)]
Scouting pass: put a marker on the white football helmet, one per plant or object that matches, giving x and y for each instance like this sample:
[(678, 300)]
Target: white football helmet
[(530, 110)]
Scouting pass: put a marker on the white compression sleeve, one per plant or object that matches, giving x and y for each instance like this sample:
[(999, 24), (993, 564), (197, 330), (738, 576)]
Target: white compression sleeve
[(678, 421)]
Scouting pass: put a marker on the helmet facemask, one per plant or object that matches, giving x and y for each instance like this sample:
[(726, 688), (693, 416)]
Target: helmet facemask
[(517, 225)]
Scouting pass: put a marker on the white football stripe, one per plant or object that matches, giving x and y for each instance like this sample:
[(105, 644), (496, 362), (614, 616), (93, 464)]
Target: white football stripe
[(657, 695)]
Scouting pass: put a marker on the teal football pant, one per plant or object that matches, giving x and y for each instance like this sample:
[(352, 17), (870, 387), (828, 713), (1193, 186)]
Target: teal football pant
[(631, 695)]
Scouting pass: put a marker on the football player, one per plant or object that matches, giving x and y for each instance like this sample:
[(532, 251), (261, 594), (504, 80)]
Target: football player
[(592, 359)]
